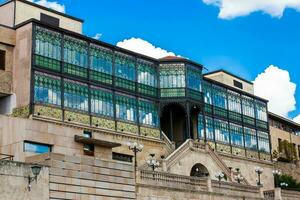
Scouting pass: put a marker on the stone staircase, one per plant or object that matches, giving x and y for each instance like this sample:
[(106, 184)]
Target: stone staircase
[(204, 148)]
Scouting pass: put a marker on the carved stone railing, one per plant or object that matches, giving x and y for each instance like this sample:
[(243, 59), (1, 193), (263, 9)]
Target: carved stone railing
[(178, 152), (164, 179), (269, 194), (169, 144)]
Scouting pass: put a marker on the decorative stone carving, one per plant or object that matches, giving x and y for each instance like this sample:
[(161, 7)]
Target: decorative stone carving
[(47, 112), (265, 156), (77, 117), (125, 127), (212, 145), (21, 112), (150, 132), (103, 123), (252, 154), (238, 151), (223, 148)]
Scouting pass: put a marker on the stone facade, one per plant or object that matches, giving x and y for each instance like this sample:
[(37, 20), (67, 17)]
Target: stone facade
[(14, 182)]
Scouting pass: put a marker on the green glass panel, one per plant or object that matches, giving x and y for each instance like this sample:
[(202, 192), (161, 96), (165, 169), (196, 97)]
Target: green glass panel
[(148, 90), (47, 63), (235, 116), (100, 77), (75, 70), (172, 92), (124, 83), (148, 113), (220, 112)]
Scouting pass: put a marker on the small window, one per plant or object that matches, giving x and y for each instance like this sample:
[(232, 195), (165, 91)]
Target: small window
[(279, 145), (50, 20), (238, 84), (2, 60), (36, 147), (122, 157)]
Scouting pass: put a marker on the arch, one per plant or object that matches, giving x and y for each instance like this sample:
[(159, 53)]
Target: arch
[(199, 170)]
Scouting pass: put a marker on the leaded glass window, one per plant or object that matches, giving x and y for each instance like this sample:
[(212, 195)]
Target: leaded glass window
[(221, 131), (261, 111), (102, 102), (250, 138), (147, 77), (263, 141), (47, 48), (236, 135), (209, 128), (47, 89), (200, 126), (194, 78), (125, 71), (75, 56), (207, 92), (75, 95), (148, 113), (219, 97), (234, 102), (101, 64), (126, 108), (248, 106), (172, 76)]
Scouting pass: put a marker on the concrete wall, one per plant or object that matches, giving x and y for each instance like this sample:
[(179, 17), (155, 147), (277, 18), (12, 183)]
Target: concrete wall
[(84, 177), (228, 80), (26, 11), (14, 182), (22, 65), (7, 14)]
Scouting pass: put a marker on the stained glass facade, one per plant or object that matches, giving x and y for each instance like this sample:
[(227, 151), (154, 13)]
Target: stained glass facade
[(100, 81)]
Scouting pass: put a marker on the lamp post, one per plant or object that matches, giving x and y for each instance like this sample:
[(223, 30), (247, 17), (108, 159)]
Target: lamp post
[(284, 184), (135, 148), (276, 173), (220, 176), (259, 171), (239, 178), (152, 162), (35, 169)]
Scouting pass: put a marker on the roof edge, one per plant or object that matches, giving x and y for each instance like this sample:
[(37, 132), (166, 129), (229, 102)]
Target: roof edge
[(229, 73)]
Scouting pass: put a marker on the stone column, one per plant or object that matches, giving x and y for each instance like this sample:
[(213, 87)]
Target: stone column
[(277, 194)]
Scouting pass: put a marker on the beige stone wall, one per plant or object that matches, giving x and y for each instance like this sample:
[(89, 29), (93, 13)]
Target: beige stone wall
[(6, 75), (228, 80), (14, 182), (13, 131), (8, 36), (25, 11), (84, 177), (247, 168), (22, 65), (7, 14), (283, 135)]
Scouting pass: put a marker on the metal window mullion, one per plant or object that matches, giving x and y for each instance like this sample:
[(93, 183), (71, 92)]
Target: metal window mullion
[(89, 84), (114, 88), (62, 76)]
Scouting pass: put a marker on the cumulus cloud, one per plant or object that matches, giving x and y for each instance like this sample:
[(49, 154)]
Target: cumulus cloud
[(50, 4), (144, 47), (297, 119), (230, 9), (275, 85), (97, 36)]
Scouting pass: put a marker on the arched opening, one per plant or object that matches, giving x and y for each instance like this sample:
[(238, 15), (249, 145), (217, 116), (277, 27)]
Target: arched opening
[(173, 123), (199, 170)]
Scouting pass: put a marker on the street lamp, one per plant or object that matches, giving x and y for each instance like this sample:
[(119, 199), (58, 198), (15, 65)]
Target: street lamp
[(35, 169), (276, 173), (220, 176), (239, 178), (259, 171), (284, 184), (152, 162), (135, 148)]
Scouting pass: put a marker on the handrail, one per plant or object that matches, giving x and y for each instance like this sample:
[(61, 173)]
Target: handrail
[(167, 141), (269, 194), (177, 152), (174, 179)]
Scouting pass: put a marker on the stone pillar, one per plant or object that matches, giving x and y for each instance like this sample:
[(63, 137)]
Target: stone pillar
[(277, 194), (209, 187), (164, 165)]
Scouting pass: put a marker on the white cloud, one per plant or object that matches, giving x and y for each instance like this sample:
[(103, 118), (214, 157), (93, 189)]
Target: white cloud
[(275, 85), (230, 9), (297, 119), (52, 5), (144, 47), (97, 36)]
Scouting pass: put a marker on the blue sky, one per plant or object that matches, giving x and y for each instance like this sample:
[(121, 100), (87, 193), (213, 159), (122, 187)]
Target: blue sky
[(244, 45)]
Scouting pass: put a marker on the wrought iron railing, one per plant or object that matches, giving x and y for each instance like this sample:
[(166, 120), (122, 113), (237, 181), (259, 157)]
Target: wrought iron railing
[(269, 194), (6, 157)]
